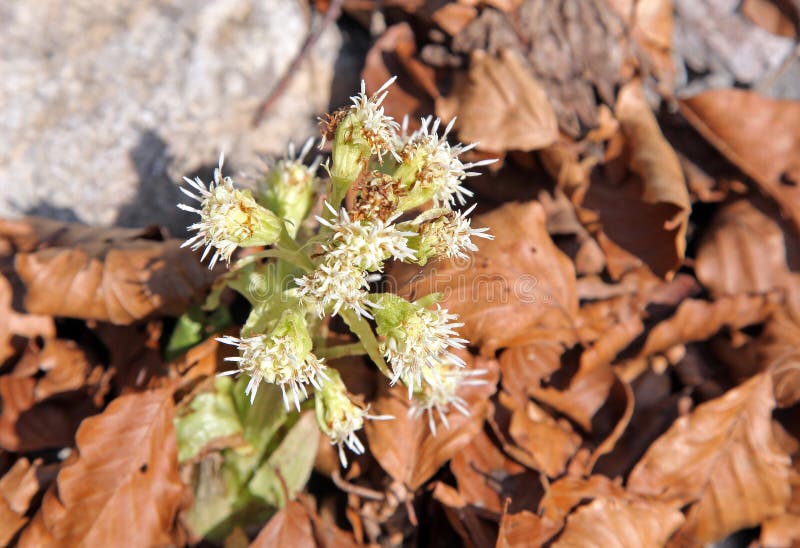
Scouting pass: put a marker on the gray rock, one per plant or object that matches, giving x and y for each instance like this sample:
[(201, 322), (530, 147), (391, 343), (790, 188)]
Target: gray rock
[(106, 105)]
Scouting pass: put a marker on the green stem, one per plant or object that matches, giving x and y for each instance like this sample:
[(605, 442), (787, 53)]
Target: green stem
[(363, 331), (341, 351)]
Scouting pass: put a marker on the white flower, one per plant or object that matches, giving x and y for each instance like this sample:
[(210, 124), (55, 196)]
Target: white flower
[(440, 167), (377, 129), (229, 218), (339, 417), (277, 360), (439, 392), (365, 243), (336, 284), (421, 341), (451, 235)]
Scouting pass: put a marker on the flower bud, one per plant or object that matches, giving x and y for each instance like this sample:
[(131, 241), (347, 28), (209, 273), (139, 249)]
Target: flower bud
[(289, 187), (445, 234)]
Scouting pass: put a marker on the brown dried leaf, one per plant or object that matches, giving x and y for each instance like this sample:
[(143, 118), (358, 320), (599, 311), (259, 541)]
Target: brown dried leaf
[(722, 457), (486, 477), (394, 53), (646, 213), (620, 521), (501, 105), (525, 529), (548, 443), (17, 488), (742, 251), (405, 447), (758, 134), (116, 275), (124, 482), (697, 320), (527, 365), (16, 325), (517, 288), (291, 526)]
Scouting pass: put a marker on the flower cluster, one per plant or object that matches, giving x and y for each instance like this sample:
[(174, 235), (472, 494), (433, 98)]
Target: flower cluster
[(400, 191)]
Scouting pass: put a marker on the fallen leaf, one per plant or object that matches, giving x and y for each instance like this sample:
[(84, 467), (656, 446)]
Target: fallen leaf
[(517, 288), (743, 250), (291, 526), (617, 521), (486, 477), (549, 443), (124, 482), (736, 122), (645, 212), (501, 105), (394, 54), (17, 488), (405, 447), (723, 459), (527, 365), (116, 275), (697, 320), (16, 325), (524, 529), (769, 16)]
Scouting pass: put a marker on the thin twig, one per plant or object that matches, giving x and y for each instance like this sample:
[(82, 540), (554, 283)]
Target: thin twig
[(334, 9), (347, 487)]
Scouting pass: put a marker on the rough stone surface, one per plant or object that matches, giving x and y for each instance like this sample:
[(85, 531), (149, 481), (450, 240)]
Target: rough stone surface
[(105, 105)]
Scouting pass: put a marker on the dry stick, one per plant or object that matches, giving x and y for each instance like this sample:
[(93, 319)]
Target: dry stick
[(334, 9), (347, 487)]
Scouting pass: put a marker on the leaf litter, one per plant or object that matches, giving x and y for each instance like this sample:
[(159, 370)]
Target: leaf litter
[(637, 316)]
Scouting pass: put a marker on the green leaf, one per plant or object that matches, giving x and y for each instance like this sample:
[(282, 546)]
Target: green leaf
[(291, 461), (211, 415), (193, 327)]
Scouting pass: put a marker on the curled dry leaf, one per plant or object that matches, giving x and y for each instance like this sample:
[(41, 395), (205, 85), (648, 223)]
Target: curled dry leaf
[(517, 288), (742, 251), (49, 392), (548, 443), (124, 482), (697, 320), (501, 105), (645, 213), (116, 275), (486, 478), (405, 447), (724, 459), (758, 134), (16, 324), (17, 487)]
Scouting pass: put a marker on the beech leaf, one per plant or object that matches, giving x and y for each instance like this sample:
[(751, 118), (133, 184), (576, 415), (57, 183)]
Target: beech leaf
[(124, 482), (723, 458)]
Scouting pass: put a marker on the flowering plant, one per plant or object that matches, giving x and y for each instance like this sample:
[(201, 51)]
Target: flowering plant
[(316, 267)]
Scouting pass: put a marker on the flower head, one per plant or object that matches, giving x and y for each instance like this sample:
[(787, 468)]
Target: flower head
[(447, 236), (339, 417), (376, 128), (335, 284), (365, 243), (415, 338), (282, 357), (229, 218), (433, 167), (440, 390)]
